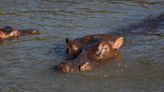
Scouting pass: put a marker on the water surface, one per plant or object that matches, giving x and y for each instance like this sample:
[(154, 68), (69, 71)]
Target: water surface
[(26, 64)]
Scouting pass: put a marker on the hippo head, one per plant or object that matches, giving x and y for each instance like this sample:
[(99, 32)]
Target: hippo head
[(103, 51), (108, 49), (72, 49)]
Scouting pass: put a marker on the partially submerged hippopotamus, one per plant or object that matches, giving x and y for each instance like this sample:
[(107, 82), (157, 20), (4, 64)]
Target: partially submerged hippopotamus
[(74, 47), (85, 57), (9, 32)]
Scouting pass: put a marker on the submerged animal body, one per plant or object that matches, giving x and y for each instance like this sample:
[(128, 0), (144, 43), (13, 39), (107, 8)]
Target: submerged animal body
[(101, 51), (9, 32)]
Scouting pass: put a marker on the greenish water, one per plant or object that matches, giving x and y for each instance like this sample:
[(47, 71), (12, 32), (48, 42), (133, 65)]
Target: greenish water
[(26, 64)]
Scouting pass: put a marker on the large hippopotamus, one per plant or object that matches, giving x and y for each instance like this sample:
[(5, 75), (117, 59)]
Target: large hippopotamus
[(9, 32), (86, 52), (74, 47)]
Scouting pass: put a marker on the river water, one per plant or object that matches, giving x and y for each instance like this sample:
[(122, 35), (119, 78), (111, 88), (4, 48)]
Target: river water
[(26, 64)]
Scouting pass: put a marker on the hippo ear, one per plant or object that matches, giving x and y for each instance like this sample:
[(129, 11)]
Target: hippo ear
[(118, 43), (71, 44), (67, 40)]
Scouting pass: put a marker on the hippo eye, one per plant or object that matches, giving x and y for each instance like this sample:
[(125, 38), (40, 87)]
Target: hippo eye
[(106, 48), (116, 49)]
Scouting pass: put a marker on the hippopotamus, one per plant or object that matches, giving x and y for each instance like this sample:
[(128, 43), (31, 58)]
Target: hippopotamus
[(89, 57), (74, 47), (9, 32)]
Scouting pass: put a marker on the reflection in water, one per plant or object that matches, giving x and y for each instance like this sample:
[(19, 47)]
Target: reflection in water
[(26, 64)]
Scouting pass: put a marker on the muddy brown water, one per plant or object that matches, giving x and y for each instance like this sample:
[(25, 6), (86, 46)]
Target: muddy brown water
[(26, 64)]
